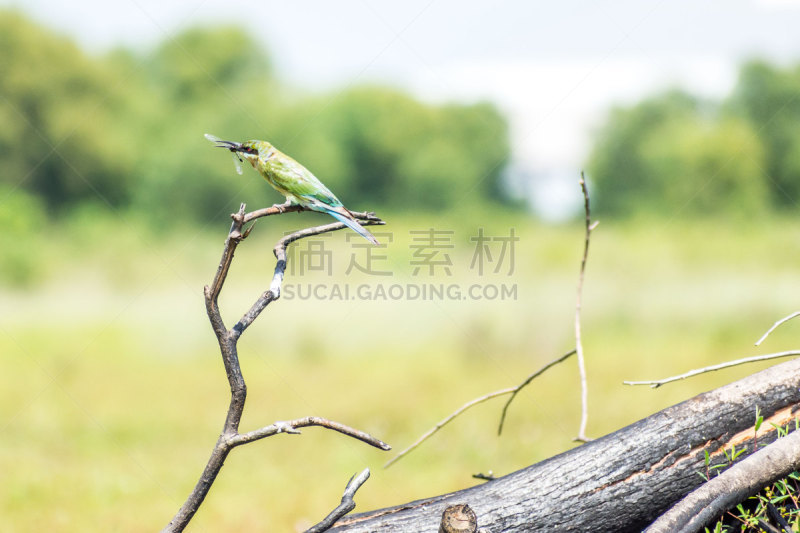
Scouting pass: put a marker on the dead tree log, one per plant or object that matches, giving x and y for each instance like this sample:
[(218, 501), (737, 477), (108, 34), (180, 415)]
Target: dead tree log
[(622, 481)]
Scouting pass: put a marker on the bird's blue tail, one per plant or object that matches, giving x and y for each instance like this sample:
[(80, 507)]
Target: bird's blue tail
[(353, 225)]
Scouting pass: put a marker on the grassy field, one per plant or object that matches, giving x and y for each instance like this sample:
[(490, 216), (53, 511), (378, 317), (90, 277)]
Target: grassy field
[(113, 390)]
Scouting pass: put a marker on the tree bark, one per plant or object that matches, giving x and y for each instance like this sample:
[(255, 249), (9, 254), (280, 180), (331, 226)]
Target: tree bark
[(622, 481)]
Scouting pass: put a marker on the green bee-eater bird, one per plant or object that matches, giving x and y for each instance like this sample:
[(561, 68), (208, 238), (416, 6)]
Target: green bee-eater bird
[(291, 179)]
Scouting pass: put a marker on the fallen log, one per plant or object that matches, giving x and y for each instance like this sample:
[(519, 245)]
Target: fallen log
[(622, 481)]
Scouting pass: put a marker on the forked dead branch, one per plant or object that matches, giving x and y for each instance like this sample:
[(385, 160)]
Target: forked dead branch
[(228, 338), (589, 226)]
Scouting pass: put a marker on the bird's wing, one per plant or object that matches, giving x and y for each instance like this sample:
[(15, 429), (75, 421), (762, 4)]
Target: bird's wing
[(297, 180)]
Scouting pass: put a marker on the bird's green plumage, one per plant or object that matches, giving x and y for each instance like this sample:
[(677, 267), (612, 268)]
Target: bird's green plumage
[(293, 180), (289, 177)]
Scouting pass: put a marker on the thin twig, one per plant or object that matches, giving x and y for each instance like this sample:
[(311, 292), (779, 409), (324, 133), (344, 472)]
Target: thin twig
[(511, 390), (776, 324), (484, 477), (581, 437), (446, 420), (347, 505), (754, 359), (526, 382), (292, 425), (227, 340)]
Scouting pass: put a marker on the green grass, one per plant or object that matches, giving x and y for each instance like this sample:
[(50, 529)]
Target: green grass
[(113, 391)]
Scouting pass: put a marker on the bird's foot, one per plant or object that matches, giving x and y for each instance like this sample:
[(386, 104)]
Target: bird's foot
[(282, 207)]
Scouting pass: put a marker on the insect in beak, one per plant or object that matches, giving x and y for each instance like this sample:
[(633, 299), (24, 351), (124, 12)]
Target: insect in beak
[(237, 162), (234, 147), (220, 143)]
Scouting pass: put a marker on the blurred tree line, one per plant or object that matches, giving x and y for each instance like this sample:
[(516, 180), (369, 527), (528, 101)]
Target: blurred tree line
[(125, 130), (676, 153)]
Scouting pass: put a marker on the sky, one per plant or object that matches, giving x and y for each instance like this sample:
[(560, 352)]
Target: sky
[(554, 68)]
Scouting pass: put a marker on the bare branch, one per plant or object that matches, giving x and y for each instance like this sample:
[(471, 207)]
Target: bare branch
[(775, 325), (234, 237), (369, 220), (347, 505), (447, 420), (526, 382), (227, 340), (733, 486), (657, 383), (277, 209), (292, 425), (513, 391), (274, 291), (263, 301), (578, 345)]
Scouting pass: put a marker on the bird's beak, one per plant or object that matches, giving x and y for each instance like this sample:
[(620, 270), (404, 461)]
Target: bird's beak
[(219, 143)]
